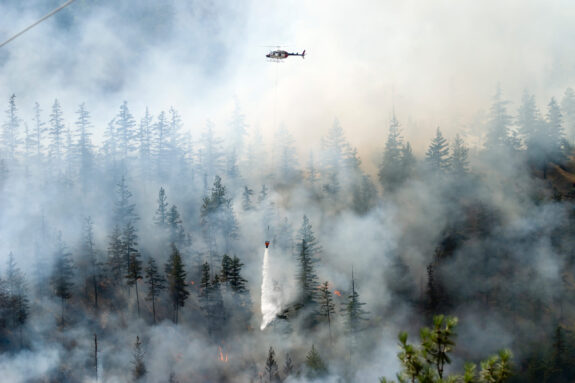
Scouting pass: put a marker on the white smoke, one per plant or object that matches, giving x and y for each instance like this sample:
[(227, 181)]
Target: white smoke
[(271, 297)]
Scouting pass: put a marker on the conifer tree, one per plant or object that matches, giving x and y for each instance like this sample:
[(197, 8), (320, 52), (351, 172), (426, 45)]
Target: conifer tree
[(16, 297), (57, 134), (390, 172), (307, 249), (145, 143), (288, 368), (89, 251), (555, 135), (156, 283), (316, 367), (459, 162), (84, 147), (125, 131), (499, 122), (115, 256), (139, 367), (354, 313), (134, 267), (247, 199), (286, 161), (237, 282), (437, 155), (174, 222), (10, 134), (326, 305), (39, 131), (176, 278), (124, 211), (161, 216), (62, 274), (271, 370), (568, 108)]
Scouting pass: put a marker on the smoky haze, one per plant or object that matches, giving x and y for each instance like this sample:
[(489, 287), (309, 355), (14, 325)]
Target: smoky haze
[(247, 149)]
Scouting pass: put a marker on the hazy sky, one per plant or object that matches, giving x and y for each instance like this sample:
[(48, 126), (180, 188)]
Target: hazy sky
[(437, 62)]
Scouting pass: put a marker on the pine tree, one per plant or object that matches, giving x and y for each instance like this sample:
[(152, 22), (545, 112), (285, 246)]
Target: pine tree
[(176, 277), (326, 305), (139, 367), (499, 122), (156, 283), (390, 172), (568, 108), (62, 274), (134, 266), (226, 271), (115, 256), (288, 368), (174, 222), (124, 211), (555, 135), (459, 162), (125, 131), (437, 155), (307, 249), (271, 371), (16, 297), (39, 131), (84, 147), (247, 199), (10, 134), (354, 313), (286, 162), (161, 216), (237, 282), (89, 251), (211, 152), (145, 143), (57, 134), (316, 367), (312, 173)]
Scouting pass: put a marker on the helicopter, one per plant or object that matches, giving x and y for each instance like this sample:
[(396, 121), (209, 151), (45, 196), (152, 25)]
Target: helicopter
[(280, 55)]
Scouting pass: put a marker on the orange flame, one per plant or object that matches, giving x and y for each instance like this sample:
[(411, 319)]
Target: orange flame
[(223, 357), (336, 292)]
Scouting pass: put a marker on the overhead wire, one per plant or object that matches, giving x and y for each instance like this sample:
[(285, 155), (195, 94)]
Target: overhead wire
[(52, 13)]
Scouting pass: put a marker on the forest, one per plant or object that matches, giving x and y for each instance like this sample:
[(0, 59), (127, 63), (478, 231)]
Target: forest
[(137, 255)]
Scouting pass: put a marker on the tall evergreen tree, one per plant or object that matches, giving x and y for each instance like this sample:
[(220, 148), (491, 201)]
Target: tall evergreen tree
[(62, 274), (161, 216), (17, 301), (390, 170), (139, 367), (134, 266), (326, 305), (315, 366), (156, 283), (176, 277), (555, 134), (211, 152), (499, 122), (271, 370), (115, 256), (247, 199), (10, 134), (174, 222), (145, 143), (84, 147), (355, 315), (437, 155), (459, 160), (286, 160), (125, 131), (307, 250), (56, 135), (39, 131), (568, 108), (124, 211), (89, 251)]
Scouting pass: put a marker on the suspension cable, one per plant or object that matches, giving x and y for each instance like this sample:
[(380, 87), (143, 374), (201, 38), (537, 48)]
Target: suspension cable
[(38, 22)]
